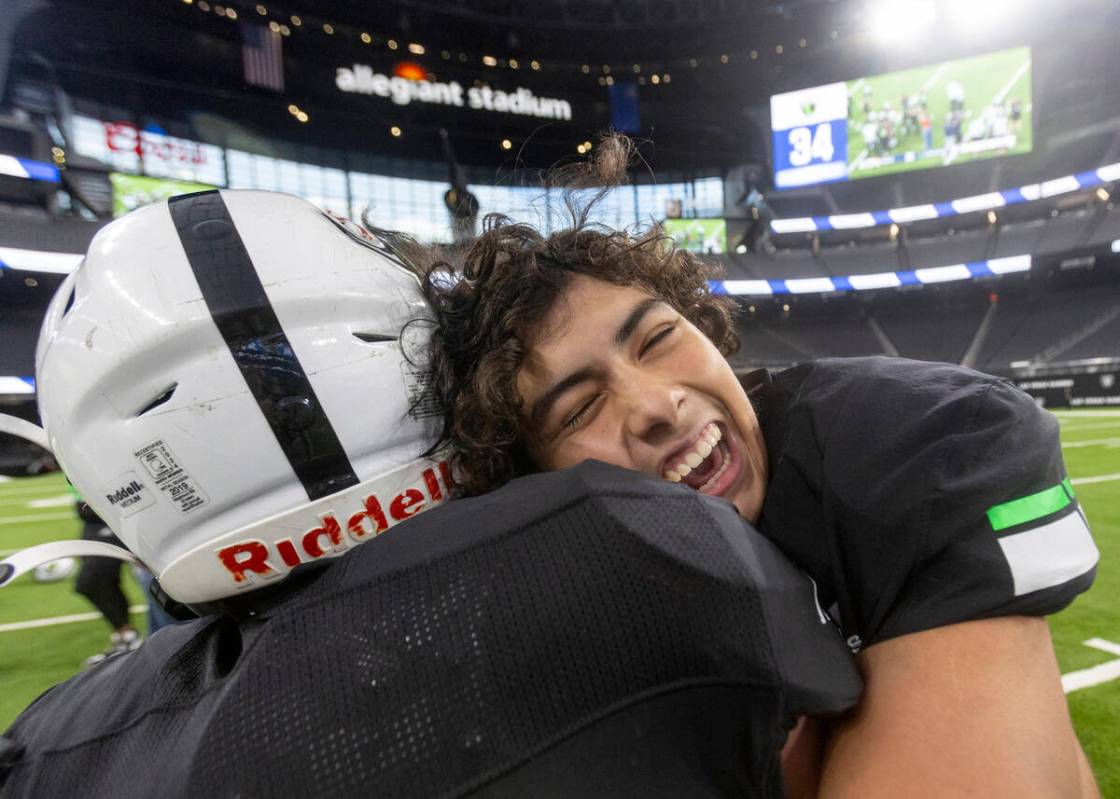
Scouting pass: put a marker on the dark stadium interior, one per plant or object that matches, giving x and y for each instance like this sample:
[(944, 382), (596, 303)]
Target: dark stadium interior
[(175, 68)]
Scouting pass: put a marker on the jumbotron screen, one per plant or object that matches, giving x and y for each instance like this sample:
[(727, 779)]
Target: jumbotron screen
[(707, 236), (937, 115)]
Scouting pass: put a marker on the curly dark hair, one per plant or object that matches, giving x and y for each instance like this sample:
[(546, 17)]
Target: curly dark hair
[(490, 304)]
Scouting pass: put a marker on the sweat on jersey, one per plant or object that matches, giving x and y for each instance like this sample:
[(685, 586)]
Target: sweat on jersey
[(920, 494), (586, 633)]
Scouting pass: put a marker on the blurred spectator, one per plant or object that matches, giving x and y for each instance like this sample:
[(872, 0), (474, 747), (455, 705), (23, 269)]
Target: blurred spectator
[(99, 581)]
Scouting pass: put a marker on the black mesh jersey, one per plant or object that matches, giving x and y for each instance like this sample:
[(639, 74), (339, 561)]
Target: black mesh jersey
[(586, 633), (920, 494)]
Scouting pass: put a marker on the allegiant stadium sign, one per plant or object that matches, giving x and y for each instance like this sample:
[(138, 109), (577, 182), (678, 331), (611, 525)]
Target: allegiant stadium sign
[(361, 79)]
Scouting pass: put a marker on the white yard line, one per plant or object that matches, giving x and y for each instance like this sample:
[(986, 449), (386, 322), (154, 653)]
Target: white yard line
[(1099, 426), (1100, 478), (40, 517), (1085, 414), (1096, 442), (936, 76), (1094, 675), (8, 489), (59, 500), (1001, 95), (52, 621)]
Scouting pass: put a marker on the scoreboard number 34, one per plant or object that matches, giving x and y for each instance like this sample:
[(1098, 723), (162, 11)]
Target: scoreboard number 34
[(809, 144)]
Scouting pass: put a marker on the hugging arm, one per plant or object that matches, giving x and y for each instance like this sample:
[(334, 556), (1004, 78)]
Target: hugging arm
[(944, 526), (969, 709)]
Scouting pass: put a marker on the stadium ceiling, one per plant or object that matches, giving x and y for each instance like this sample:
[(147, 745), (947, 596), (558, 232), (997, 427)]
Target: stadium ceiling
[(177, 60), (617, 15), (607, 29)]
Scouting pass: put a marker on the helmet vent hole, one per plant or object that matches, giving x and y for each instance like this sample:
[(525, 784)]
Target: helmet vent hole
[(375, 338), (69, 301), (159, 399)]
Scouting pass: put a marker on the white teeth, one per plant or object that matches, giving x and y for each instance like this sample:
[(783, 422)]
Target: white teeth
[(715, 477), (709, 439)]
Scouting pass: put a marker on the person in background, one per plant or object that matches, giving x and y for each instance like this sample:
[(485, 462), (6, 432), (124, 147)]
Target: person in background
[(99, 581)]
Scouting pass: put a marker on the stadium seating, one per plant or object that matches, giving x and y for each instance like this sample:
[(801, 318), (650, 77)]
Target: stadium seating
[(940, 334), (1102, 343), (1023, 328), (956, 249), (843, 261)]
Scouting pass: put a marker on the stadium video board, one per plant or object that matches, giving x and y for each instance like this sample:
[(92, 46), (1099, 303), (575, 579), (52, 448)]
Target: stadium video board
[(133, 191), (931, 116), (707, 236)]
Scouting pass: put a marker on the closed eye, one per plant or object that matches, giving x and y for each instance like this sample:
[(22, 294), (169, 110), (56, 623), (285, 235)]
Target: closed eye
[(577, 417), (657, 339)]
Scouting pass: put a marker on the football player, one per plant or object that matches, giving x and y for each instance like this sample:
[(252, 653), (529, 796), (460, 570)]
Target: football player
[(227, 378), (929, 502)]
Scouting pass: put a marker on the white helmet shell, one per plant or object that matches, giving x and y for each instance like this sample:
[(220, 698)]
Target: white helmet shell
[(224, 380)]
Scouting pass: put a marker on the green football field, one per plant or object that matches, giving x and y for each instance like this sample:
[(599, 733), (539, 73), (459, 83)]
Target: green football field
[(46, 630), (984, 78)]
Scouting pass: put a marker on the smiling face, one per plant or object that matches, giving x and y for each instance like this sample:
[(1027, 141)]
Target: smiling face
[(619, 376)]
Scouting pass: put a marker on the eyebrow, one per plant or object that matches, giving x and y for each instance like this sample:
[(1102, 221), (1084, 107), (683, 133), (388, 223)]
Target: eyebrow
[(633, 319), (543, 405)]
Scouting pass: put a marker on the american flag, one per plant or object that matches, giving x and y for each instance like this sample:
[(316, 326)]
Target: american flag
[(261, 57)]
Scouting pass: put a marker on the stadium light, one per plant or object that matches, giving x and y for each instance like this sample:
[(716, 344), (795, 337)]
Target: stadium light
[(897, 22), (1116, 245)]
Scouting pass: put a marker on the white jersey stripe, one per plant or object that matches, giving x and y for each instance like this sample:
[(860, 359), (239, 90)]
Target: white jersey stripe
[(1050, 555)]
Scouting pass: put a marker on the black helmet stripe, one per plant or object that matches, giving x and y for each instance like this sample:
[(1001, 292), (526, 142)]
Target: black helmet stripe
[(246, 320)]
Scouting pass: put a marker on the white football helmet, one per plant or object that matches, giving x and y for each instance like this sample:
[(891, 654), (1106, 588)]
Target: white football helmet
[(225, 380)]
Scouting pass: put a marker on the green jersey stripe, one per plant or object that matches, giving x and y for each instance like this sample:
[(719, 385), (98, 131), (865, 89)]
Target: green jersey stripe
[(1029, 508)]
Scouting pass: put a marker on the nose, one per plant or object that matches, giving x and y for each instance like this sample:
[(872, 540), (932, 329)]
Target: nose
[(652, 409)]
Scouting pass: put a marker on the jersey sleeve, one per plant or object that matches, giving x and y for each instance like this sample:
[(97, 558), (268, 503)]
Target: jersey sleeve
[(921, 495)]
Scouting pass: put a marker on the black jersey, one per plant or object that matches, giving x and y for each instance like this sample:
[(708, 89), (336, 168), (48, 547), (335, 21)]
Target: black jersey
[(920, 494), (585, 633)]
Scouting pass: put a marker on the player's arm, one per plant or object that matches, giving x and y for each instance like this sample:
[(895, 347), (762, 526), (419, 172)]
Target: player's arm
[(963, 692), (970, 709), (947, 529)]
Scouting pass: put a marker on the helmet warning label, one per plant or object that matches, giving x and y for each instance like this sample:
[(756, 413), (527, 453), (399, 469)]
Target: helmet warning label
[(170, 478), (423, 403)]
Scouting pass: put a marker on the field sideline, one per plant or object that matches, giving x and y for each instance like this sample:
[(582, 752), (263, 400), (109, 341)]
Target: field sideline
[(32, 658)]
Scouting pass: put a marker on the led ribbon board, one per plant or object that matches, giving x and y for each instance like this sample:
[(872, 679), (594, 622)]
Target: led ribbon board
[(877, 280), (981, 202)]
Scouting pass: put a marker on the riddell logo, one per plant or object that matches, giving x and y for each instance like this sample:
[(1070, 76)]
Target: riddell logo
[(124, 492), (255, 558)]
